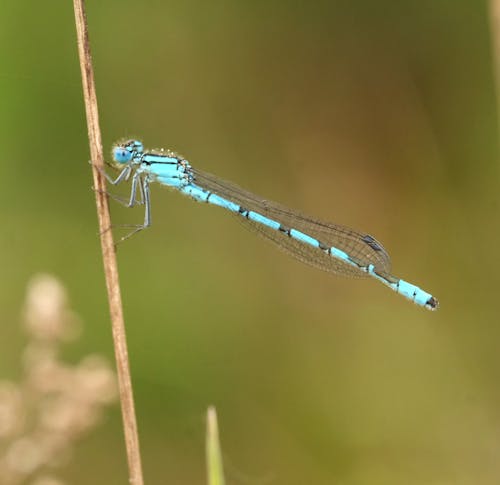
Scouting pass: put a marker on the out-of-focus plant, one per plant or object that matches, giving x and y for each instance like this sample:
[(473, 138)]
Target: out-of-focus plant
[(215, 472), (53, 404)]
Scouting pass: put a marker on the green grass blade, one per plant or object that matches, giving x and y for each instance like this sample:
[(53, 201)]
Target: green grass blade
[(215, 471)]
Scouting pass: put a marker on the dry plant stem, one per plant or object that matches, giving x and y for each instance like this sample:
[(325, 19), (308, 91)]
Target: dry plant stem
[(495, 39), (108, 249)]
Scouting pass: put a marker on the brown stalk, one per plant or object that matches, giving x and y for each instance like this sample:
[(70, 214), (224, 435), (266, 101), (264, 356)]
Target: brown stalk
[(495, 40), (108, 249)]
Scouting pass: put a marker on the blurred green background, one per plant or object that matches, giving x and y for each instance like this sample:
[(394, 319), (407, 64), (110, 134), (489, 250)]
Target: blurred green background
[(378, 115)]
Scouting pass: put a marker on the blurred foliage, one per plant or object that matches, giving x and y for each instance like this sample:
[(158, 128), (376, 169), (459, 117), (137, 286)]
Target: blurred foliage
[(53, 404), (378, 115)]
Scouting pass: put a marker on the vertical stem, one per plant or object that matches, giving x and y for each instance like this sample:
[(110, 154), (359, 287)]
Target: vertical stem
[(108, 249), (495, 39)]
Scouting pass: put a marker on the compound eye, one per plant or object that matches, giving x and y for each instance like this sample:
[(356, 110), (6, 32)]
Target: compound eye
[(121, 155)]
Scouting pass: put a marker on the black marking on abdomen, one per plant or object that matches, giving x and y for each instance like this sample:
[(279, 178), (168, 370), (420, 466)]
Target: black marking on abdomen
[(284, 229), (243, 211), (208, 196), (432, 302), (324, 247)]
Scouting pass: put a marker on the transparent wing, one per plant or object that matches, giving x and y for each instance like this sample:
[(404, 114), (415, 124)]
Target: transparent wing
[(362, 248)]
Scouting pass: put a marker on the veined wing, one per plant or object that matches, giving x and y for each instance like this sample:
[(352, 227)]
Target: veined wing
[(363, 249)]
